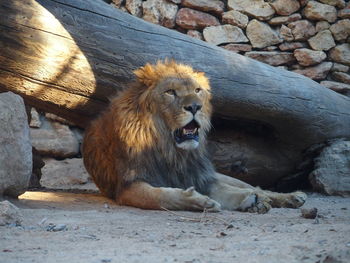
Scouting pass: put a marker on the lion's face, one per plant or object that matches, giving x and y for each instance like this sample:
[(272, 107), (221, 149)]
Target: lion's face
[(185, 108)]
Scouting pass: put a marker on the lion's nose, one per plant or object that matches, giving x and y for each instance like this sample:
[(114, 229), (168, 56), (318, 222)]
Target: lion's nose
[(194, 107)]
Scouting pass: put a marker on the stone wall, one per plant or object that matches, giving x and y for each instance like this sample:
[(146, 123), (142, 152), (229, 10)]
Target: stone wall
[(307, 37)]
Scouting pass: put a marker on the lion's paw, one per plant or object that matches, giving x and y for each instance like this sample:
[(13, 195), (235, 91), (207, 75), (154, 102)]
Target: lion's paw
[(295, 200), (256, 204), (197, 201)]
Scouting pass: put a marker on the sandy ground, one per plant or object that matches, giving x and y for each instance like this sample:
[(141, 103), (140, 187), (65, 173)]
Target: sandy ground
[(93, 229)]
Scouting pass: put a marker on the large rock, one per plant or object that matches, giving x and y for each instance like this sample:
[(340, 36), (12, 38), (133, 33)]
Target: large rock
[(341, 77), (160, 12), (337, 87), (238, 47), (134, 7), (308, 57), (224, 34), (261, 34), (322, 25), (55, 139), (274, 58), (10, 214), (291, 45), (214, 6), (317, 11), (279, 20), (332, 169), (341, 54), (337, 3), (322, 41), (285, 7), (191, 19), (302, 30), (345, 13), (66, 174), (340, 67), (341, 29), (318, 72), (286, 33), (255, 8), (15, 146), (235, 18)]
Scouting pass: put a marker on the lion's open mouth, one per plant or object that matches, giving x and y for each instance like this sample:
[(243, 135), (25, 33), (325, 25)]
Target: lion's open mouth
[(188, 132)]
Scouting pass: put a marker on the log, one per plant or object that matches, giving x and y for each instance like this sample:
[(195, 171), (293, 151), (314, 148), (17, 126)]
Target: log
[(69, 56)]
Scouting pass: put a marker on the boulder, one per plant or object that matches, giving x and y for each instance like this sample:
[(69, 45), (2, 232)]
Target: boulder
[(344, 13), (274, 58), (279, 20), (55, 139), (341, 54), (286, 33), (341, 77), (261, 34), (341, 29), (211, 6), (322, 25), (15, 146), (317, 11), (235, 18), (134, 7), (337, 3), (66, 174), (160, 12), (331, 174), (323, 40), (285, 7), (302, 30), (192, 19), (238, 47), (224, 34), (316, 72), (340, 67), (291, 45), (337, 87), (308, 57), (258, 9), (10, 214)]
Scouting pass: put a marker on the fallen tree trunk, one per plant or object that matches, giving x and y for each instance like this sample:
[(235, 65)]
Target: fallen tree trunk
[(68, 57)]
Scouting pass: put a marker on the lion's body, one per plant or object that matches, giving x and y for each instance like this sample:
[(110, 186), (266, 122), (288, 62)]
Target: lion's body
[(144, 151)]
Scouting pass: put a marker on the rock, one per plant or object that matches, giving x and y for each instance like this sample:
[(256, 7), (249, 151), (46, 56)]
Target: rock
[(35, 121), (270, 48), (317, 72), (235, 18), (176, 1), (331, 174), (341, 77), (308, 57), (286, 33), (341, 54), (291, 46), (317, 11), (285, 7), (274, 58), (261, 34), (279, 20), (323, 40), (224, 34), (344, 13), (55, 140), (10, 214), (54, 117), (160, 12), (214, 6), (256, 8), (303, 2), (66, 174), (337, 3), (309, 213), (337, 87), (117, 3), (302, 30), (195, 34), (192, 19), (134, 7), (322, 25), (15, 146), (340, 67), (341, 29), (238, 47)]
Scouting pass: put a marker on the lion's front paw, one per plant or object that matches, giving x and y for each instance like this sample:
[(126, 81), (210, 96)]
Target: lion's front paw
[(197, 201), (256, 204), (295, 199)]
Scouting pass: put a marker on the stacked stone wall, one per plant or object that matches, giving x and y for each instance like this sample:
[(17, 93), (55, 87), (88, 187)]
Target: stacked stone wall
[(307, 37)]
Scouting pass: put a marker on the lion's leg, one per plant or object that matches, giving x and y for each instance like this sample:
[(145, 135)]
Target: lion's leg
[(237, 198), (291, 200), (145, 196)]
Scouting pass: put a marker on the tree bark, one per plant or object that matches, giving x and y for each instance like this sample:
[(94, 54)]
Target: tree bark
[(69, 56)]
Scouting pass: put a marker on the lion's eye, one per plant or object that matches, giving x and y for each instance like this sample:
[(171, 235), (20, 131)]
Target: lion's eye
[(171, 92), (197, 90)]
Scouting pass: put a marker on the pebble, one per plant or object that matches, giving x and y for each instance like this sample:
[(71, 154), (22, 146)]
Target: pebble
[(309, 213), (56, 228)]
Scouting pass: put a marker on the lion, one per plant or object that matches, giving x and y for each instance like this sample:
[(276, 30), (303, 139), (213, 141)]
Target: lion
[(148, 149)]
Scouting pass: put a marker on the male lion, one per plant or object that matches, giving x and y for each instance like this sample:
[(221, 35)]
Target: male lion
[(148, 149)]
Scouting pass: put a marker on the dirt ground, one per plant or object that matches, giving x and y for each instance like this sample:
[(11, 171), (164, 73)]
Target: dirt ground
[(68, 227)]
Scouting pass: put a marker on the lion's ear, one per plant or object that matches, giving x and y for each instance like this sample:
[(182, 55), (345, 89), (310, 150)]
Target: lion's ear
[(146, 75)]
